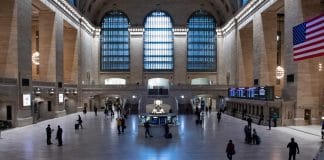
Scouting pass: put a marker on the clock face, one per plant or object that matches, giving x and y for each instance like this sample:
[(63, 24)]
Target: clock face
[(35, 58)]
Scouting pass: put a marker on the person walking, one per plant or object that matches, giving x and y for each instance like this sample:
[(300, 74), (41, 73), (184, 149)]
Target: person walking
[(123, 125), (95, 110), (322, 131), (119, 124), (249, 120), (261, 119), (219, 116), (49, 134), (293, 147), (230, 150), (147, 129), (59, 135), (80, 121), (106, 113)]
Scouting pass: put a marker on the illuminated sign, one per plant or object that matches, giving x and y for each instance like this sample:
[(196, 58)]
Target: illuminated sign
[(26, 100), (61, 98)]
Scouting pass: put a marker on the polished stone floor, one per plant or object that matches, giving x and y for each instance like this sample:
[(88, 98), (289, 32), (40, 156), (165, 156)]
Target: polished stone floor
[(99, 140)]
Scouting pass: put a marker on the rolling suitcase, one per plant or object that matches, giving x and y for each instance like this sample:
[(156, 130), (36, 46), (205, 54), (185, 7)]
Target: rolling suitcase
[(168, 136), (76, 126)]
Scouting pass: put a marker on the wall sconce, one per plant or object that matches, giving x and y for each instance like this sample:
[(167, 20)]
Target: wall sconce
[(320, 67), (75, 92), (280, 72), (134, 96), (182, 96), (66, 91), (51, 91), (37, 91)]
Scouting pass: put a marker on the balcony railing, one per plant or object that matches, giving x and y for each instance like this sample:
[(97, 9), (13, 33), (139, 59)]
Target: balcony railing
[(144, 87)]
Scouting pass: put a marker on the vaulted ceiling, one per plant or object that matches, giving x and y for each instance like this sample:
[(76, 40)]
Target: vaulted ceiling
[(179, 10)]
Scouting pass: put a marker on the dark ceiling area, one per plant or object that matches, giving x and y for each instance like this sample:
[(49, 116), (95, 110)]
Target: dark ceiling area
[(179, 10)]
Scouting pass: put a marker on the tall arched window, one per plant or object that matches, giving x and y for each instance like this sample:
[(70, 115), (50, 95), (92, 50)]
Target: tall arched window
[(201, 55), (244, 2), (158, 42), (72, 2), (114, 41)]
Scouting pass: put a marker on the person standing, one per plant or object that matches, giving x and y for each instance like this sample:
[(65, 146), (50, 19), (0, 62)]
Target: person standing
[(249, 120), (219, 116), (95, 110), (261, 119), (59, 135), (84, 110), (80, 122), (230, 150), (269, 123), (274, 118), (49, 134), (166, 130), (293, 147), (147, 129)]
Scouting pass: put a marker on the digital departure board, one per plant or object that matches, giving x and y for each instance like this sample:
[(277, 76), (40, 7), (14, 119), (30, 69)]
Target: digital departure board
[(258, 93)]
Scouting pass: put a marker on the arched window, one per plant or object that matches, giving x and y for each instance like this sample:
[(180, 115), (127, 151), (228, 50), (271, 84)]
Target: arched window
[(158, 42), (114, 55), (201, 56), (72, 2)]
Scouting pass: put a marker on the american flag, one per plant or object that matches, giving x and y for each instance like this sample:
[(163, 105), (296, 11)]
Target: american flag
[(309, 39)]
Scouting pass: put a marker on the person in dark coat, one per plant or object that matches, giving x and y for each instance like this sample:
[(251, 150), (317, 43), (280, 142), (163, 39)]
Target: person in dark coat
[(322, 131), (95, 110), (249, 120), (123, 125), (80, 121), (293, 147), (84, 110), (248, 137), (59, 135), (147, 129), (49, 134), (230, 150), (166, 129), (261, 118), (255, 137), (219, 116)]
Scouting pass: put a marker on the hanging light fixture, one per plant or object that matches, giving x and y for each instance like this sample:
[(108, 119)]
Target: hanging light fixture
[(280, 72), (35, 55), (35, 58)]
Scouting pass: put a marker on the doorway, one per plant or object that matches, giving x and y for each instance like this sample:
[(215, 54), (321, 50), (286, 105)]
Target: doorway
[(9, 113)]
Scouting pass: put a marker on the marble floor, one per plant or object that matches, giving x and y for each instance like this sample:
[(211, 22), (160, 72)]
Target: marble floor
[(99, 140)]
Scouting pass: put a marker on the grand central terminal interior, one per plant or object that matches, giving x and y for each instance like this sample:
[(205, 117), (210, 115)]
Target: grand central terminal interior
[(167, 63)]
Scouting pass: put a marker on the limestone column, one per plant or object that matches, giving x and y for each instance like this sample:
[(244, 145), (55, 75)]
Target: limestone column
[(24, 30), (47, 46), (59, 71), (136, 57), (180, 58), (264, 48)]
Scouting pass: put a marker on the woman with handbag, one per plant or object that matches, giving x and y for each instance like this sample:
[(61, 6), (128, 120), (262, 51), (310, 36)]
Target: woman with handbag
[(230, 150)]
